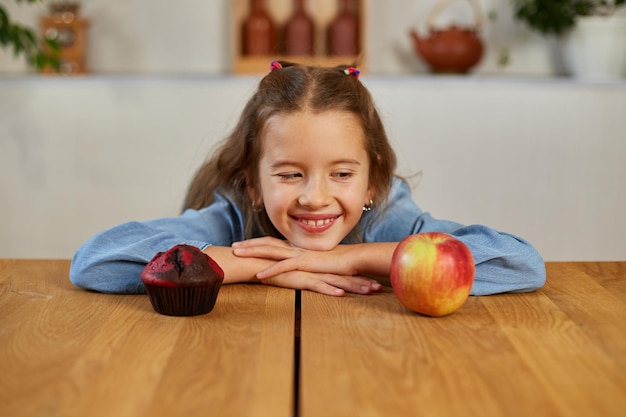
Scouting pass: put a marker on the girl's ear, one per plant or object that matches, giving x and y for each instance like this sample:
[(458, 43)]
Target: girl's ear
[(371, 189), (370, 197), (257, 200)]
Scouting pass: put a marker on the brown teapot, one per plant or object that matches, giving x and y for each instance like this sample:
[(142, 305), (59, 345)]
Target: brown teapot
[(451, 50)]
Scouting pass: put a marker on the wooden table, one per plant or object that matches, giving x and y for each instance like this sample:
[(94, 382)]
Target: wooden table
[(265, 351), (68, 352)]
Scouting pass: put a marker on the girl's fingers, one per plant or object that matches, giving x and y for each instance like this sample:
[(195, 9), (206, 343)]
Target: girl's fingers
[(265, 247), (353, 284), (328, 284), (260, 241), (311, 262), (325, 273), (276, 269), (266, 252)]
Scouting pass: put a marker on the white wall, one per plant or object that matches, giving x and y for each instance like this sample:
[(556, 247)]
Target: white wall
[(537, 156), (541, 159), (544, 160), (78, 155)]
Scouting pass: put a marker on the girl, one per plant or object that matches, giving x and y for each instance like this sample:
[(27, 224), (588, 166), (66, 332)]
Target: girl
[(301, 195)]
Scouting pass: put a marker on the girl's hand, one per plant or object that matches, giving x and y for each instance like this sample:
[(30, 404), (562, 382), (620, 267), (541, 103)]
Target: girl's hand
[(324, 272), (327, 284), (267, 248), (291, 258)]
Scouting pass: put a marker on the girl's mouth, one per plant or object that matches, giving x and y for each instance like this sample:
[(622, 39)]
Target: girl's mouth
[(315, 225)]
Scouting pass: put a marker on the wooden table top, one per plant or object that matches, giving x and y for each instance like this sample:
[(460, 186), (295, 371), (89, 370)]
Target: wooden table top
[(69, 352), (560, 351)]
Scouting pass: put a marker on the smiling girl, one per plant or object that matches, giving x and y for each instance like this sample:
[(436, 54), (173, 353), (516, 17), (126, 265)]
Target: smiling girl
[(302, 195)]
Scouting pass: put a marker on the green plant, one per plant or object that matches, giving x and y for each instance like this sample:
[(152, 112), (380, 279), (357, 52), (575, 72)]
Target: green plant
[(39, 53), (555, 17)]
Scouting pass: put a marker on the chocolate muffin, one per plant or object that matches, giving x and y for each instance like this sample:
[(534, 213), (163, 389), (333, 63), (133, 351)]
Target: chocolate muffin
[(184, 281)]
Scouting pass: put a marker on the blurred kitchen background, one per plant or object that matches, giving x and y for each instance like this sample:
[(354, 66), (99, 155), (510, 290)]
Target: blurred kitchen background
[(517, 143)]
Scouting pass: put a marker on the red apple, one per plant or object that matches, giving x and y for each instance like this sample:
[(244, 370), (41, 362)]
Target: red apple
[(432, 273)]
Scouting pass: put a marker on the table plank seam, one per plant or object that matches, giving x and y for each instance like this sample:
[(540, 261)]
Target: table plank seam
[(296, 354)]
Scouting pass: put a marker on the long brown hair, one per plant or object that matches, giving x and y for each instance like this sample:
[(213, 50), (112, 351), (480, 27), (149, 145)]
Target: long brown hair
[(233, 168)]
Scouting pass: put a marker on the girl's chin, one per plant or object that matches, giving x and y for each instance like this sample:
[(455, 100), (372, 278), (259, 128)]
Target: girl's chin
[(307, 244)]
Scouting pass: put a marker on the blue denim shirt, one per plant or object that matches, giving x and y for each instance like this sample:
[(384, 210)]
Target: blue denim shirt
[(112, 260)]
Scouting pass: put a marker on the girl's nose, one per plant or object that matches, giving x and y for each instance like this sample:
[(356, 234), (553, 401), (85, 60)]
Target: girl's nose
[(315, 194)]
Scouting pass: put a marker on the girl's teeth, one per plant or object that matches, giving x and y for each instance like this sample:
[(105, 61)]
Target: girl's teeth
[(317, 222)]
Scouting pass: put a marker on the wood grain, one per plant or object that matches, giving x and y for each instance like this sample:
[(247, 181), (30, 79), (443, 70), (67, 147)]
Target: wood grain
[(559, 351), (68, 352), (555, 352)]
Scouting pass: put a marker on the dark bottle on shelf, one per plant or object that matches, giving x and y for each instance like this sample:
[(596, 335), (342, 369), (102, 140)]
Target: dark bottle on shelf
[(343, 31), (258, 31), (299, 32)]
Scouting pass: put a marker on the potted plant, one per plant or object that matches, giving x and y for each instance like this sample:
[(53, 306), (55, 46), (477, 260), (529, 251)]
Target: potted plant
[(24, 41), (591, 37)]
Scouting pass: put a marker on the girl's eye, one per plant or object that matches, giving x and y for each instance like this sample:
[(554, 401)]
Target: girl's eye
[(289, 176), (343, 175)]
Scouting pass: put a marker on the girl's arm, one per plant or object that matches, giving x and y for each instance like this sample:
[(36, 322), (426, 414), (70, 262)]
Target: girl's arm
[(356, 259), (237, 269), (112, 261), (504, 262)]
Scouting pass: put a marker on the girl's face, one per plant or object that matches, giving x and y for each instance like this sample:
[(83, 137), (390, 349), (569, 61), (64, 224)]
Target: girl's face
[(314, 174)]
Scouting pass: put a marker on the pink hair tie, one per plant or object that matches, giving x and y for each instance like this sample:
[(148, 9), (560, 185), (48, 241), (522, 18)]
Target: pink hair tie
[(275, 65), (353, 71)]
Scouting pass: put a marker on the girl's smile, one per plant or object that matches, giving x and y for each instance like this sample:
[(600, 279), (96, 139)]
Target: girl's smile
[(315, 224), (314, 176)]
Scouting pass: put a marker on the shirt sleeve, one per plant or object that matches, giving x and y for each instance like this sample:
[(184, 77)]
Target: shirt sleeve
[(504, 262), (112, 260)]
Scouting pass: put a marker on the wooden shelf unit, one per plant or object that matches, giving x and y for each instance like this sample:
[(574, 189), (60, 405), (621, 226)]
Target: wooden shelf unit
[(321, 11)]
